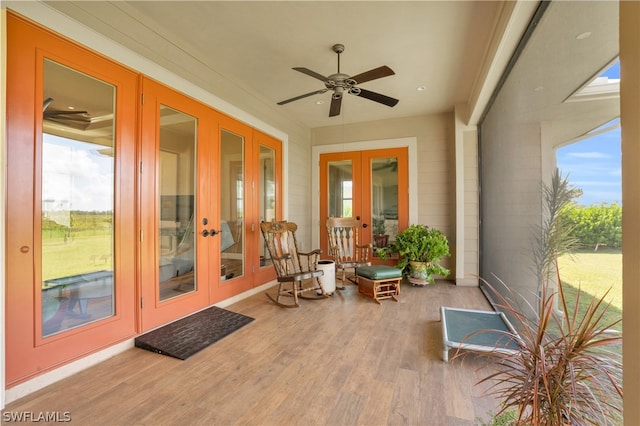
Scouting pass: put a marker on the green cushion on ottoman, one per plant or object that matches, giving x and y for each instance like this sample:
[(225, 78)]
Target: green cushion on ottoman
[(379, 272)]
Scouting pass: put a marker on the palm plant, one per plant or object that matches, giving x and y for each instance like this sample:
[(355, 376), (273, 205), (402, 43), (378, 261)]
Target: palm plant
[(554, 237), (565, 372)]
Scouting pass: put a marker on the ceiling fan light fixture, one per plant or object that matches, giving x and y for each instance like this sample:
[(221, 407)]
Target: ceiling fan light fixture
[(340, 83)]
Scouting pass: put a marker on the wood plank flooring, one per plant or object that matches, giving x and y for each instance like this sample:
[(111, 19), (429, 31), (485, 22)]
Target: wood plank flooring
[(344, 360)]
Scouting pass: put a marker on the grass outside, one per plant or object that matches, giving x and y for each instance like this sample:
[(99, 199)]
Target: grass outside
[(594, 273), (79, 254)]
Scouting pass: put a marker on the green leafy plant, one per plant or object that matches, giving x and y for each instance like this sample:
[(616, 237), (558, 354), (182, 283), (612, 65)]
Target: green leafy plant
[(505, 418), (419, 243), (378, 226), (597, 224)]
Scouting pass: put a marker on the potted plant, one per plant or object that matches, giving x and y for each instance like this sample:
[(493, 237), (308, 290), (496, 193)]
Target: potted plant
[(420, 249), (380, 237), (569, 367)]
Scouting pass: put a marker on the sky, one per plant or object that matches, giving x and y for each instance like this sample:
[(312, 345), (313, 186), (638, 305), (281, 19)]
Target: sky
[(594, 164), (75, 176)]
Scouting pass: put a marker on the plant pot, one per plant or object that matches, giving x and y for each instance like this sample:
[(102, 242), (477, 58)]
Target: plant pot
[(418, 273), (381, 240)]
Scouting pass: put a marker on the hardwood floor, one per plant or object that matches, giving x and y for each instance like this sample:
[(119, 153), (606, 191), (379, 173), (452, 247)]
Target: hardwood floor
[(344, 360)]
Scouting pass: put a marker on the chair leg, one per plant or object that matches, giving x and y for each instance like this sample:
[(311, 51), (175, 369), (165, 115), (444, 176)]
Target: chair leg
[(343, 275), (314, 289), (285, 293)]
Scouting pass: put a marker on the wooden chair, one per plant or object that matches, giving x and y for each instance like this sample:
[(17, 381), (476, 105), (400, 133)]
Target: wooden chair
[(344, 248), (296, 271)]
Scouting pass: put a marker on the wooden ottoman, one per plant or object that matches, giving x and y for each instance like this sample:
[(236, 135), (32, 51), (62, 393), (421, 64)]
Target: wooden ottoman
[(379, 281)]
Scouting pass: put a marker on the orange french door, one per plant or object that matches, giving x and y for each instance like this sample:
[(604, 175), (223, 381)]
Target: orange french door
[(179, 223), (71, 180), (124, 212), (370, 185), (206, 183), (235, 179), (266, 201), (249, 174)]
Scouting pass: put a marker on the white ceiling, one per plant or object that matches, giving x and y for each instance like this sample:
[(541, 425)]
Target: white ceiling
[(243, 52)]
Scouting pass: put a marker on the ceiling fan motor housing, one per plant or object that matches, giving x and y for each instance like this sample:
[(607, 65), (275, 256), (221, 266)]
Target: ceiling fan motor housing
[(340, 82)]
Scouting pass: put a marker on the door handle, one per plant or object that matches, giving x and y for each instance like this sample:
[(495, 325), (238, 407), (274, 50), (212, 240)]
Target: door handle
[(209, 233)]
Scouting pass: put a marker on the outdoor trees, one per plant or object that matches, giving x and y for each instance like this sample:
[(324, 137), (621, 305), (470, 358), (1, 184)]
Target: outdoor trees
[(597, 224)]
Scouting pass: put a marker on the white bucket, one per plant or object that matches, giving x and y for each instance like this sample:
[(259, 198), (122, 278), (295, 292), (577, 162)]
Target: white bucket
[(328, 280)]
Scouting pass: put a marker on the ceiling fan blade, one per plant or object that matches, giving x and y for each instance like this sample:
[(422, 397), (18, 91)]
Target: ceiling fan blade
[(383, 71), (317, 92), (377, 97), (51, 113), (74, 124), (336, 104), (310, 73)]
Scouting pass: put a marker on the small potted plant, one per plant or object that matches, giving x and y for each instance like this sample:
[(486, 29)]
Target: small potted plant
[(380, 237), (420, 249)]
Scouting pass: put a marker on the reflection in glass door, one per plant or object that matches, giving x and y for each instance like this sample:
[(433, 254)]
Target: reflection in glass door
[(340, 188), (232, 205), (384, 200), (176, 235), (267, 193), (77, 199), (370, 185)]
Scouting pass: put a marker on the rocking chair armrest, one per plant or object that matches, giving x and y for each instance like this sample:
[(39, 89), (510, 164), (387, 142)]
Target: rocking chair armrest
[(287, 256), (365, 246), (316, 252)]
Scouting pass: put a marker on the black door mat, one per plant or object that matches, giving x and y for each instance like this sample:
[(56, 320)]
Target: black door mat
[(191, 334)]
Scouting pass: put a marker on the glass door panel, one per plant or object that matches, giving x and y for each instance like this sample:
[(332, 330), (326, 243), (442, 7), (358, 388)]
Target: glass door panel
[(77, 199), (265, 171), (176, 235), (385, 197), (232, 205), (384, 200), (340, 188), (267, 193)]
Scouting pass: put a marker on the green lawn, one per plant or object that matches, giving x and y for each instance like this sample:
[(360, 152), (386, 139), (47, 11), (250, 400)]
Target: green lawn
[(80, 254), (594, 273)]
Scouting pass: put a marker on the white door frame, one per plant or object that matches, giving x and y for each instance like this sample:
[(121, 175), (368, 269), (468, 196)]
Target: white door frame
[(411, 143)]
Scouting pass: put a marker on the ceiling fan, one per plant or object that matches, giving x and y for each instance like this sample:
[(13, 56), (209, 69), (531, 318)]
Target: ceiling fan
[(77, 119), (341, 83)]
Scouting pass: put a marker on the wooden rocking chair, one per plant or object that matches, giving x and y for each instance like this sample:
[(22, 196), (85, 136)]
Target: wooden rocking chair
[(296, 271), (344, 248)]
